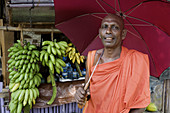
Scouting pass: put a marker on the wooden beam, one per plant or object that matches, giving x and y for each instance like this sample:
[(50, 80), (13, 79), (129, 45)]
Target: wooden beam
[(9, 28)]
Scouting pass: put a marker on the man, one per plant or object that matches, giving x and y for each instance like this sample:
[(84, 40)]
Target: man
[(120, 83)]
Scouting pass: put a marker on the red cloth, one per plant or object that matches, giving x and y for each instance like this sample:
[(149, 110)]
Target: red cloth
[(120, 85)]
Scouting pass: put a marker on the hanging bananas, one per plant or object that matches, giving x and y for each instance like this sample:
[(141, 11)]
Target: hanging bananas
[(73, 56), (24, 75), (51, 55)]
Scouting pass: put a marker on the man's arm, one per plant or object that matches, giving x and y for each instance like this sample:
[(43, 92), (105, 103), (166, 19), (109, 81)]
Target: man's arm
[(138, 110)]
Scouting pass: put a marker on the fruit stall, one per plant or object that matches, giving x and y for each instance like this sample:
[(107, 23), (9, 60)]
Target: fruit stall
[(41, 67)]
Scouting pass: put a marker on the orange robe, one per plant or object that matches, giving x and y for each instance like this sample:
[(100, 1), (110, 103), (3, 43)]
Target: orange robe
[(120, 85)]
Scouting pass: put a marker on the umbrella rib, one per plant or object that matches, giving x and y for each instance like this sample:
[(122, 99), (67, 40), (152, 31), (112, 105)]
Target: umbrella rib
[(144, 43), (119, 5), (101, 6), (134, 34), (115, 4), (134, 8), (138, 25), (92, 41), (109, 6), (146, 22), (80, 16)]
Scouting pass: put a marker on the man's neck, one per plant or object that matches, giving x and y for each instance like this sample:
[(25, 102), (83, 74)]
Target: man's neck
[(112, 52)]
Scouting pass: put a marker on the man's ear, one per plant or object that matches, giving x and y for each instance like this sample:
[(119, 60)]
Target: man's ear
[(124, 33)]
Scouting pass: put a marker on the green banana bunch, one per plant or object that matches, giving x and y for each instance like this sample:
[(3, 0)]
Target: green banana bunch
[(24, 75), (73, 56), (51, 55)]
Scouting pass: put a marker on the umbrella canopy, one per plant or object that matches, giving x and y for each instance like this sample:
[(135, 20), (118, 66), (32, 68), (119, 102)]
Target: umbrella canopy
[(147, 23)]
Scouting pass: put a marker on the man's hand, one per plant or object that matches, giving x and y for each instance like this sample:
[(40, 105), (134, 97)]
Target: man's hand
[(80, 96)]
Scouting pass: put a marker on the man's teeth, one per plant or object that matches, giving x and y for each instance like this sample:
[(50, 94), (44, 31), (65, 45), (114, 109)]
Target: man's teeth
[(109, 38)]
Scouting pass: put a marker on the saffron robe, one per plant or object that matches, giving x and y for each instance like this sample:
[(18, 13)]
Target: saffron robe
[(120, 85)]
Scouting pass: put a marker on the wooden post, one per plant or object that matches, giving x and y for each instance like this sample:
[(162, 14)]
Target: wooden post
[(167, 96), (165, 77), (6, 41)]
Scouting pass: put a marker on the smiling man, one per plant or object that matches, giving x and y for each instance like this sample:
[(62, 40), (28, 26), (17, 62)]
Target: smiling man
[(120, 83)]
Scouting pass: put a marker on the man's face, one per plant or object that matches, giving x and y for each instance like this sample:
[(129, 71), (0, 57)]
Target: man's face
[(111, 31)]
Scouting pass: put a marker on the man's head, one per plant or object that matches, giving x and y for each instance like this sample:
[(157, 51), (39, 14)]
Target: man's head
[(112, 31)]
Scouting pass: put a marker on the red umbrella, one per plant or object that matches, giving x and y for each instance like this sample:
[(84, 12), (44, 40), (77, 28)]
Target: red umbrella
[(147, 23)]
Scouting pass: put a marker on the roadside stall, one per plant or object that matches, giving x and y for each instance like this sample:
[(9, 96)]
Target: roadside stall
[(28, 30), (42, 67)]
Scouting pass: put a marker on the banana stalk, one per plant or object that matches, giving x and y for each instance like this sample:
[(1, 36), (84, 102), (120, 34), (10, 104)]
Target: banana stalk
[(54, 89), (27, 108), (78, 69)]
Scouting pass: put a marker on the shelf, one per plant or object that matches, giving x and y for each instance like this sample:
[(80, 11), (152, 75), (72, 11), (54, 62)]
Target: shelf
[(67, 80)]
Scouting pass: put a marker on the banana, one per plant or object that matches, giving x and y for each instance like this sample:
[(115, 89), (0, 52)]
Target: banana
[(31, 94), (19, 108), (57, 64), (73, 59), (37, 91), (17, 94), (52, 58), (33, 55), (16, 75), (25, 51), (22, 95), (10, 60), (13, 106), (35, 79), (45, 43), (56, 45), (63, 52), (22, 82), (29, 52), (11, 85), (25, 86), (63, 43), (46, 57), (37, 67), (77, 58), (49, 49), (16, 86), (26, 76), (34, 93), (26, 97), (51, 65), (58, 52), (22, 62), (40, 75), (82, 59), (31, 83), (31, 60), (30, 103), (33, 66), (44, 47), (36, 52), (57, 70), (31, 47), (51, 43), (70, 44), (68, 49), (13, 72), (41, 55), (33, 100), (53, 49), (61, 62)]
